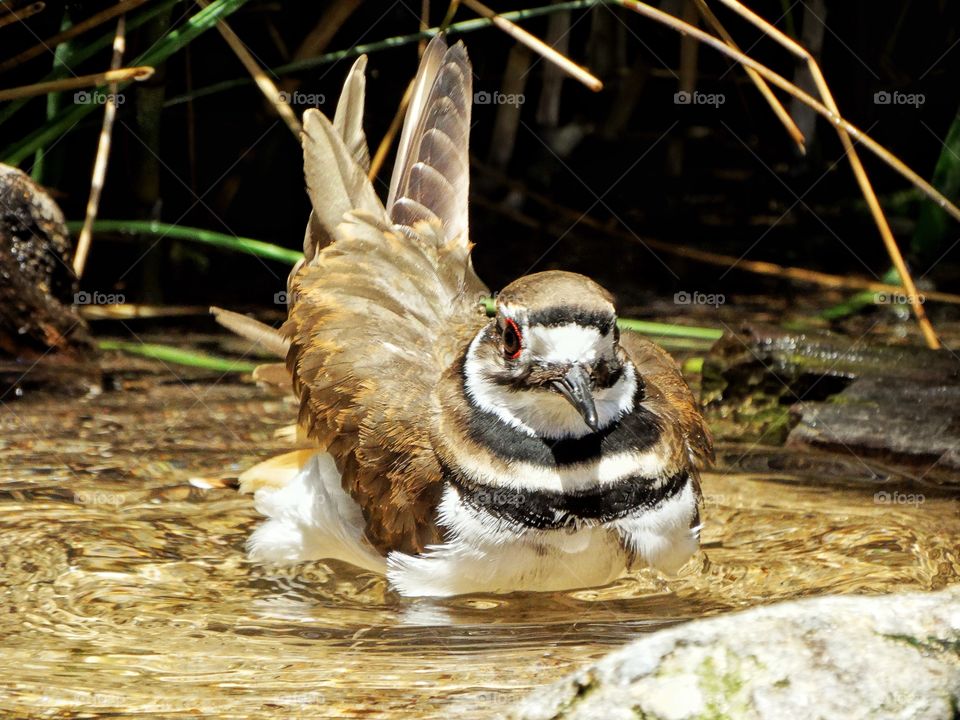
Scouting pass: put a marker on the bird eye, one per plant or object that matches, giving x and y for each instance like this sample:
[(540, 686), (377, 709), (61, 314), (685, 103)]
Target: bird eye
[(511, 340)]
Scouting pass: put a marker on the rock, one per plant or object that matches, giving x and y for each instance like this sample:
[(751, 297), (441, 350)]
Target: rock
[(895, 656), (920, 423), (37, 283), (898, 404)]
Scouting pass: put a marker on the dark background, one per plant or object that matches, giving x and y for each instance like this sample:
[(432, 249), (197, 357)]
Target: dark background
[(723, 178)]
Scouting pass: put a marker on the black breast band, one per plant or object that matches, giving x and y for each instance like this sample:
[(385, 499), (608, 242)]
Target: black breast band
[(552, 510)]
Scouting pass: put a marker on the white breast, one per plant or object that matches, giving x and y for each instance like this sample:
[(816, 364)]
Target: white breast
[(484, 556)]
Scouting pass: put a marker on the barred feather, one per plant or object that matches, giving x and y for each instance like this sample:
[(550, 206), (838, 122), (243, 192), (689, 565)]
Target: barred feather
[(431, 181)]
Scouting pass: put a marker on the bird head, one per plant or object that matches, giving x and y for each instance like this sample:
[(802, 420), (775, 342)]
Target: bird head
[(550, 360)]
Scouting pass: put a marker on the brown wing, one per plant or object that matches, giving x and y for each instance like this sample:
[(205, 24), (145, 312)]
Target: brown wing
[(378, 314), (431, 180), (669, 396), (334, 166), (422, 86)]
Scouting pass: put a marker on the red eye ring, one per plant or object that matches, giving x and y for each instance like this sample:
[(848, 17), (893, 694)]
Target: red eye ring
[(512, 340)]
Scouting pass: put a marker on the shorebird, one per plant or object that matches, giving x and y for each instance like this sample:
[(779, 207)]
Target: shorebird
[(538, 449)]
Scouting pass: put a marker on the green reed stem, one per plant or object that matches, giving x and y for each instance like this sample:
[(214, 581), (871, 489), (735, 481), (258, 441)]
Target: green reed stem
[(207, 237), (461, 28), (168, 353)]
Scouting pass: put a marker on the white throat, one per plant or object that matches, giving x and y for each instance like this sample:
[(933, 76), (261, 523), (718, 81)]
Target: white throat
[(542, 412)]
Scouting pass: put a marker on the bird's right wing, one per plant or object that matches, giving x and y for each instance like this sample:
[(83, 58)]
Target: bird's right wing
[(387, 300)]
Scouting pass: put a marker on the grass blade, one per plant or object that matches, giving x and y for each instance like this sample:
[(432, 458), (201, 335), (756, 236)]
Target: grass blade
[(207, 237)]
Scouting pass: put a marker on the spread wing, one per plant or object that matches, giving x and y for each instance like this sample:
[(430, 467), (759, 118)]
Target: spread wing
[(386, 297)]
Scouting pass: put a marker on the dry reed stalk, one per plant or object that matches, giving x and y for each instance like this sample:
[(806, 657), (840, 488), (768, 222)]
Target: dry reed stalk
[(103, 154), (866, 187), (384, 147), (12, 16), (271, 92), (111, 77), (330, 22), (779, 110), (788, 87), (127, 311), (81, 27), (424, 24), (537, 45)]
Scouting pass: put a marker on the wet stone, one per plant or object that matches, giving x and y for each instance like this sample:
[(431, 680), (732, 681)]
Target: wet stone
[(852, 657)]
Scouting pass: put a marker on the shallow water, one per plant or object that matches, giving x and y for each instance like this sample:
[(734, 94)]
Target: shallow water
[(123, 588)]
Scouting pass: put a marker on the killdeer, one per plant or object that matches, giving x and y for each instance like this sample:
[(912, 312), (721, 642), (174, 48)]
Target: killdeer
[(541, 449)]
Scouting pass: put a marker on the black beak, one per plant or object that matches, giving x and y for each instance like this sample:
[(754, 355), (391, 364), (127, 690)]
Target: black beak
[(575, 386)]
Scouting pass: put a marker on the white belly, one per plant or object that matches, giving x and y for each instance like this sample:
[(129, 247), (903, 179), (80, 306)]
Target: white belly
[(312, 518), (559, 561)]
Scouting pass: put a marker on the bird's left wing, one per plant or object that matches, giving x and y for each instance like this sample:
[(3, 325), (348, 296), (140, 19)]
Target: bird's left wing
[(670, 398)]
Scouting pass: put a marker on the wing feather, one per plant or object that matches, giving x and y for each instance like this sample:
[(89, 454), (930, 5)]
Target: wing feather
[(366, 355), (336, 183), (348, 119), (674, 402), (422, 85), (335, 171), (437, 147), (388, 301)]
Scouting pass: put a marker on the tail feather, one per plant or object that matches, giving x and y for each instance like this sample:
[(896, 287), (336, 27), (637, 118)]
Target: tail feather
[(310, 517), (275, 375), (274, 473), (268, 338)]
